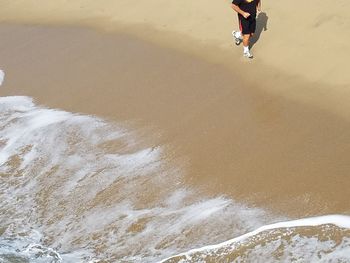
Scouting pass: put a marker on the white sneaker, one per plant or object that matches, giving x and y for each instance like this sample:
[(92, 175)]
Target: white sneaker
[(247, 54), (236, 36)]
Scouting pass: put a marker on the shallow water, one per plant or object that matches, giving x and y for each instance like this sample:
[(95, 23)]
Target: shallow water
[(318, 239), (76, 188), (79, 188)]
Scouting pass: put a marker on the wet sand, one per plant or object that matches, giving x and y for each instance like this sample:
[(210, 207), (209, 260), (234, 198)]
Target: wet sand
[(283, 144)]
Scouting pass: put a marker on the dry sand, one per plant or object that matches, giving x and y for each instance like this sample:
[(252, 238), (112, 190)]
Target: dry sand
[(273, 131), (306, 38)]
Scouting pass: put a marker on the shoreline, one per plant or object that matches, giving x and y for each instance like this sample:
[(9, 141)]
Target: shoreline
[(323, 95), (230, 245), (227, 130)]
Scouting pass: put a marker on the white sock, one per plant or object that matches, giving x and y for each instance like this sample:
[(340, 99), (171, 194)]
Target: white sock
[(245, 49)]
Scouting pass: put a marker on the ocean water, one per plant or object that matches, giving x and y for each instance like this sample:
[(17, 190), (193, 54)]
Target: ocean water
[(77, 188)]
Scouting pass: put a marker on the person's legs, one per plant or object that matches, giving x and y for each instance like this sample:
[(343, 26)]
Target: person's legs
[(246, 31), (246, 52), (246, 38), (237, 35)]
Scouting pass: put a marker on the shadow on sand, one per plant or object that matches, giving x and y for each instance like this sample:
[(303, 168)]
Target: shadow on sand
[(261, 24)]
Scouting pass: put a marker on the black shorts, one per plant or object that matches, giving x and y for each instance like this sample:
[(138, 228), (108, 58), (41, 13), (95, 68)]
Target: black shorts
[(247, 26)]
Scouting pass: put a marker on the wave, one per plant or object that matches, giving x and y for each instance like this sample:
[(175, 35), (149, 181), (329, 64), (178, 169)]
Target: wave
[(76, 188), (92, 190), (315, 239)]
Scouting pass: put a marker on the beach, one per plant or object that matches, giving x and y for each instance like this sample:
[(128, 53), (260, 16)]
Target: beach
[(232, 144)]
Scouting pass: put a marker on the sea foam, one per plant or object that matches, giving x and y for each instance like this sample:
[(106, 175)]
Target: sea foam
[(75, 188), (87, 185), (2, 76), (340, 221)]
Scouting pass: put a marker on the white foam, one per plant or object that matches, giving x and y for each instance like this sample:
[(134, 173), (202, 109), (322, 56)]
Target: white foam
[(341, 221), (58, 165), (295, 248), (131, 199), (2, 76), (16, 103), (27, 247), (57, 172)]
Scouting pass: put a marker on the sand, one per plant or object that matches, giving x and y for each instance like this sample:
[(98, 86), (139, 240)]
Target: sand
[(305, 39), (273, 131)]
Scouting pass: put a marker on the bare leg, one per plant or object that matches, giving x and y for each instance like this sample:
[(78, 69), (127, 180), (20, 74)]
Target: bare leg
[(246, 52), (246, 40)]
